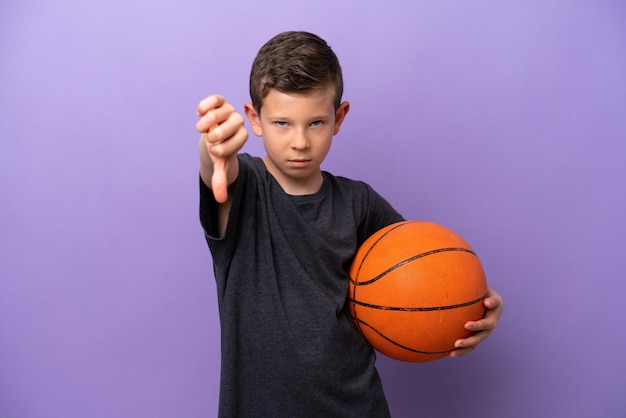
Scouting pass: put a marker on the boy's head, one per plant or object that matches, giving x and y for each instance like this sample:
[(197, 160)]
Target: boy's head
[(295, 62)]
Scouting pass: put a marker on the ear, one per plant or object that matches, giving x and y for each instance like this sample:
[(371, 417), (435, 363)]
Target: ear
[(340, 116), (254, 118)]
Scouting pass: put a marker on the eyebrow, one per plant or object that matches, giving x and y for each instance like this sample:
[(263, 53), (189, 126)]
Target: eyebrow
[(285, 118)]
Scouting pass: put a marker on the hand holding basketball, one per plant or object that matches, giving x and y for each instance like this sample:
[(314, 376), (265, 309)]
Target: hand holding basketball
[(483, 327), (414, 288)]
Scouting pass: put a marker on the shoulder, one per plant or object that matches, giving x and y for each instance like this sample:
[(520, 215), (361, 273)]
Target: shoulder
[(356, 188), (358, 194), (372, 210), (249, 161)]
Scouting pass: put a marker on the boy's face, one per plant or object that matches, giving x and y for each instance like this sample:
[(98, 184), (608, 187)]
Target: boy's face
[(297, 131)]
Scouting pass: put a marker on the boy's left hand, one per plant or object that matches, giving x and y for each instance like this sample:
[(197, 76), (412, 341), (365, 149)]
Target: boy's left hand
[(482, 328)]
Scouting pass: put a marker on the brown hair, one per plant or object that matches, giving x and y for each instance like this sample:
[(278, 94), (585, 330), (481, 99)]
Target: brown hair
[(294, 62)]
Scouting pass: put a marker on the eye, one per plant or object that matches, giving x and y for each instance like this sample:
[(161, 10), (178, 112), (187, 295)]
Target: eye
[(281, 124), (317, 123)]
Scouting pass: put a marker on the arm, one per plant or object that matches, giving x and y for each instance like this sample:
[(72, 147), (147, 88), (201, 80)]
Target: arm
[(482, 328), (222, 136)]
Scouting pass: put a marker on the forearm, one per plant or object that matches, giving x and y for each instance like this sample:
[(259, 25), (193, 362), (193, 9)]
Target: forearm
[(206, 163)]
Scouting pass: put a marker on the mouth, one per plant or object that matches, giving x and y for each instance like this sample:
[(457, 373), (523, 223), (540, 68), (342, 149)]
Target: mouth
[(299, 162)]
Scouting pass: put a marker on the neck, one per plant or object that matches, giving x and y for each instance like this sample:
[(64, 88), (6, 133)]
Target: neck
[(295, 186)]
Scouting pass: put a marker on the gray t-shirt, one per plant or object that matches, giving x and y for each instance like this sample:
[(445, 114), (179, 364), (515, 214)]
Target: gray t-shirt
[(289, 345)]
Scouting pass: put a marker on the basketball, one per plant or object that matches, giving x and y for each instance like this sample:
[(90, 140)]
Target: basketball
[(413, 286)]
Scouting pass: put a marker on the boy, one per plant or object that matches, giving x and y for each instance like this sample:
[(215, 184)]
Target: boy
[(282, 234)]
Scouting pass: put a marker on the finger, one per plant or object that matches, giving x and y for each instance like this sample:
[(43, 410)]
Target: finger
[(489, 322), (490, 303), (215, 117), (493, 300), (208, 103), (461, 352), (473, 340), (212, 120), (232, 145), (493, 303), (467, 345), (219, 180), (219, 154), (226, 129)]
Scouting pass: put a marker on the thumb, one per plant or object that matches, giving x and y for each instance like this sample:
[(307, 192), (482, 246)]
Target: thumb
[(219, 180)]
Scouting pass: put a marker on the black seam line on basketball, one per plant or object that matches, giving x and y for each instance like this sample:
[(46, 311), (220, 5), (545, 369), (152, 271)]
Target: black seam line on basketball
[(405, 309), (400, 345), (377, 241), (398, 225), (408, 260)]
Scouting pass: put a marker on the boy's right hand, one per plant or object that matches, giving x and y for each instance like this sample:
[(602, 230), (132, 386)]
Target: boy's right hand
[(223, 135)]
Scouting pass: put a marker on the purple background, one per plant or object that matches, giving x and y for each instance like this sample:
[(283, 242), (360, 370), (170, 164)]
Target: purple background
[(505, 121)]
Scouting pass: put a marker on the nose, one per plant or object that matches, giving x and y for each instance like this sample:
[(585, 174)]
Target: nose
[(300, 140)]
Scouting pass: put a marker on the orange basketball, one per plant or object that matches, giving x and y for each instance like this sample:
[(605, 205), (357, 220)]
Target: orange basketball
[(413, 286)]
